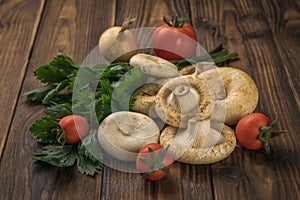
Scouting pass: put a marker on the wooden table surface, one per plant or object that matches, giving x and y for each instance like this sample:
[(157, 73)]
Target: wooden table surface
[(266, 36)]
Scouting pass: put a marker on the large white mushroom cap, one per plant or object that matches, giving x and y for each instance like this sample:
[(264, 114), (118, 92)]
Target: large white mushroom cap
[(154, 66), (122, 134)]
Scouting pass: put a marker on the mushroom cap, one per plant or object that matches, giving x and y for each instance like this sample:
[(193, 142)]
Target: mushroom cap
[(199, 155), (241, 96), (188, 70), (171, 112), (145, 97), (122, 134), (154, 66)]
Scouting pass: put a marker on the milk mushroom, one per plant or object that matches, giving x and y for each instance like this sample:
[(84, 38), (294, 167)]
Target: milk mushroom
[(122, 134), (145, 97), (155, 67), (198, 144), (236, 90), (181, 99), (241, 96)]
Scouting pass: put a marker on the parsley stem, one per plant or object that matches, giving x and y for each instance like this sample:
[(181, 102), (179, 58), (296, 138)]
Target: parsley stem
[(217, 55)]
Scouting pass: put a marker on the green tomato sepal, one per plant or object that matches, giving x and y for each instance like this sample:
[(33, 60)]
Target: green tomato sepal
[(266, 134)]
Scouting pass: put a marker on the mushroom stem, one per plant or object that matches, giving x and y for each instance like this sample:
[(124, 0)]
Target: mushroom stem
[(187, 97), (186, 137), (199, 134)]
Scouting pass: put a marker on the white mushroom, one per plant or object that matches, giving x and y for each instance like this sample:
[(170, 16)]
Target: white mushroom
[(183, 98), (122, 134), (199, 143), (241, 94), (145, 98), (155, 67), (235, 91)]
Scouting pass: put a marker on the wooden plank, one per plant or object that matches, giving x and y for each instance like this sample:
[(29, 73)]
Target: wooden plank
[(72, 27), (284, 20), (19, 21), (243, 27), (196, 181), (149, 13)]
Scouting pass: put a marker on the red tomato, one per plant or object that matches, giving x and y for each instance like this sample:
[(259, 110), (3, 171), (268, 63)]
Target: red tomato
[(174, 40), (255, 131), (154, 161), (75, 127)]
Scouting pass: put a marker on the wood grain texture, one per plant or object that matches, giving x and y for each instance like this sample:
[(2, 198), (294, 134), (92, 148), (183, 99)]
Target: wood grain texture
[(19, 21), (66, 26), (150, 13), (196, 181), (284, 20), (243, 27)]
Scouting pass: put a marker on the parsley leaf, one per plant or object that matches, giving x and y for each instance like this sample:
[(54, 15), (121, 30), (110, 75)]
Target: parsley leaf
[(59, 156), (89, 155), (37, 95), (56, 112), (103, 106), (125, 88), (45, 130), (49, 96), (115, 71), (59, 69), (58, 75), (49, 74), (86, 165)]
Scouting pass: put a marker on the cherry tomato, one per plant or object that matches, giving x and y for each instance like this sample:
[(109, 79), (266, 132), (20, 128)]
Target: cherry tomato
[(75, 127), (154, 161), (254, 131), (174, 40)]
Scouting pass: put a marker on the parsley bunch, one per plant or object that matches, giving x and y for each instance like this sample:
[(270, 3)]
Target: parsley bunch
[(70, 89)]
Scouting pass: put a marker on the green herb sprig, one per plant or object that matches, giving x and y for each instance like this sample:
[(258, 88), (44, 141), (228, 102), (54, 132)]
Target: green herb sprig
[(218, 55)]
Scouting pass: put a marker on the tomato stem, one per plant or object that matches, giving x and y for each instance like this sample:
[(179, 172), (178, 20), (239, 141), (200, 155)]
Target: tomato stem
[(176, 21), (155, 162), (266, 134)]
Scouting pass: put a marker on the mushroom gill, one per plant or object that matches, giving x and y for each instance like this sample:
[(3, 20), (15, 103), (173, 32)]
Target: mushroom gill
[(183, 98)]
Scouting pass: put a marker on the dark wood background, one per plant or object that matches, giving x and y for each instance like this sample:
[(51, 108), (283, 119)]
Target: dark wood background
[(266, 35)]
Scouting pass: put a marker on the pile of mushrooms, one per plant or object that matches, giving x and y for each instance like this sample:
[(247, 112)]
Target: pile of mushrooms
[(196, 105)]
